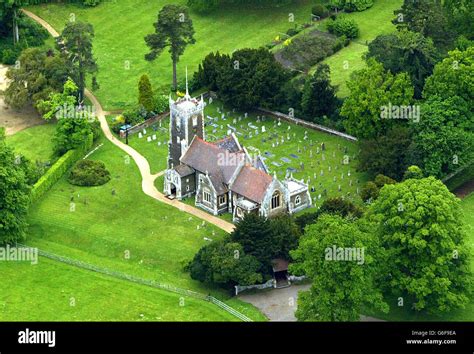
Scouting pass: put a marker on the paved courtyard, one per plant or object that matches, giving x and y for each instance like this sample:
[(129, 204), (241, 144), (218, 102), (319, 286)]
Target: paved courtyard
[(280, 304), (276, 304)]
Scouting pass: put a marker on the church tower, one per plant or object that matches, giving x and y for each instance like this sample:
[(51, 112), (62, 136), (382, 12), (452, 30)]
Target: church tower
[(186, 121)]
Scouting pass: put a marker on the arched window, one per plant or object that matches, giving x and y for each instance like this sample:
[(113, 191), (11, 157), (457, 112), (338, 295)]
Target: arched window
[(297, 200), (276, 200)]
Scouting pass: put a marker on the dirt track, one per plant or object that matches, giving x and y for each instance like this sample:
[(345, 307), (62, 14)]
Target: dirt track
[(15, 121)]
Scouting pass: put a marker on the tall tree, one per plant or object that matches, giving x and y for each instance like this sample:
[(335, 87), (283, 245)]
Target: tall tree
[(443, 139), (73, 126), (372, 89), (319, 96), (254, 233), (224, 263), (420, 225), (14, 195), (75, 43), (174, 29), (454, 76), (39, 74), (405, 51), (389, 154), (322, 256), (428, 18), (145, 93)]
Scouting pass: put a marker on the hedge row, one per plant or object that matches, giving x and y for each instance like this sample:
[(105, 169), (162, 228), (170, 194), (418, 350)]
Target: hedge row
[(56, 171)]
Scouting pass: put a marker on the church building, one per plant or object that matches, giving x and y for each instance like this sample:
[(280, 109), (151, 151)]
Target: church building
[(222, 175)]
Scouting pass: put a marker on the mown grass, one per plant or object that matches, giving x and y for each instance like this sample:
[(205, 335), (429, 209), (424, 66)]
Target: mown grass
[(34, 143), (120, 28), (345, 175), (308, 163), (53, 291), (117, 227), (372, 22)]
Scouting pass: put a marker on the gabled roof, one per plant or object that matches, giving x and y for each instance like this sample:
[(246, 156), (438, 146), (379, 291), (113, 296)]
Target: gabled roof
[(251, 183), (184, 170), (230, 143)]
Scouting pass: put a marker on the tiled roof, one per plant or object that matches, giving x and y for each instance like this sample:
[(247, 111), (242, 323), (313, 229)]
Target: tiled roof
[(252, 183), (184, 170), (205, 157), (229, 143)]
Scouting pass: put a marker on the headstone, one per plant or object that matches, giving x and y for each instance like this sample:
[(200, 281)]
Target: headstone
[(148, 139), (154, 137), (140, 135), (263, 129), (144, 131)]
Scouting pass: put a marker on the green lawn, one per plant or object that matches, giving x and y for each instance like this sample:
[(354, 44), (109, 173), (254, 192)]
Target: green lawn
[(372, 22), (120, 27), (313, 162), (111, 222), (52, 291), (156, 151), (297, 145), (34, 143)]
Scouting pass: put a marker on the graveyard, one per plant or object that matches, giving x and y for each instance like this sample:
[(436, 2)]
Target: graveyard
[(327, 163)]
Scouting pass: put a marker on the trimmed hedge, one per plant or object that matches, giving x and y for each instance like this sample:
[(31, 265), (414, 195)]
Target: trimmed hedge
[(56, 171)]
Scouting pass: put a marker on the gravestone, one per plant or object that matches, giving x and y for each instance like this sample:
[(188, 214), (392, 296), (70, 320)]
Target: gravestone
[(140, 135)]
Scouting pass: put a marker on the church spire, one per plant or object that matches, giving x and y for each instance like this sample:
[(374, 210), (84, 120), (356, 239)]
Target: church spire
[(187, 90)]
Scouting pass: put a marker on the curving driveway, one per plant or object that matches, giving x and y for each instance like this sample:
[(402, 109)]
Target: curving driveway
[(148, 186)]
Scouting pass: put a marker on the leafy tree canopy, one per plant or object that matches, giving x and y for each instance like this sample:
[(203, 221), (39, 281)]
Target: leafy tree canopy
[(419, 224), (341, 286), (372, 89)]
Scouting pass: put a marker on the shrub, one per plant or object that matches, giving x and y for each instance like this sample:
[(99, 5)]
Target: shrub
[(369, 192), (292, 32), (89, 173), (413, 172), (381, 180), (161, 104), (319, 10), (136, 115), (344, 26), (145, 93)]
